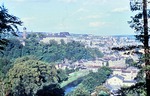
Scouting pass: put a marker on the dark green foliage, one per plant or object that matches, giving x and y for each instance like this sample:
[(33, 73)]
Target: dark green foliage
[(5, 65), (94, 79), (129, 61), (107, 63), (62, 76), (126, 48), (8, 22), (140, 76), (51, 52), (3, 43), (14, 48), (138, 89), (19, 90), (8, 25), (51, 90)]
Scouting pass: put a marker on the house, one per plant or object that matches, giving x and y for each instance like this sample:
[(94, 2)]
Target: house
[(115, 82), (130, 73), (128, 83), (117, 71)]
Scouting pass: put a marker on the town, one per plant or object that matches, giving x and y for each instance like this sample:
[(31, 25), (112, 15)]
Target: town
[(123, 72)]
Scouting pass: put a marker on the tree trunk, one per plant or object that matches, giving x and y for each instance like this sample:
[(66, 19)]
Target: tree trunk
[(146, 45)]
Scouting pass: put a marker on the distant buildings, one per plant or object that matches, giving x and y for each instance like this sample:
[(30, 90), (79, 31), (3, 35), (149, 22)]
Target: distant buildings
[(58, 39)]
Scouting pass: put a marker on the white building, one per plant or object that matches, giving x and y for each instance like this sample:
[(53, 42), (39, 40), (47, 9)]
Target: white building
[(58, 39), (117, 81)]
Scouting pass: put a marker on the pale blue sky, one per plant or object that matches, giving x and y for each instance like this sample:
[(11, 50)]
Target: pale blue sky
[(99, 17)]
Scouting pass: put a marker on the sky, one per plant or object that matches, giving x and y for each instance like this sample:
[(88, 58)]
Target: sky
[(97, 17)]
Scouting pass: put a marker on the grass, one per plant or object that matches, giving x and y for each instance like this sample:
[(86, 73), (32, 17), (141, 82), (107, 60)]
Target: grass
[(74, 76)]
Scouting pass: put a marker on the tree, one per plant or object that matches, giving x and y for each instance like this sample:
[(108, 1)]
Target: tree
[(62, 75), (30, 75), (5, 65), (50, 90), (79, 91), (140, 24), (94, 79), (102, 90), (129, 61), (8, 25), (138, 89)]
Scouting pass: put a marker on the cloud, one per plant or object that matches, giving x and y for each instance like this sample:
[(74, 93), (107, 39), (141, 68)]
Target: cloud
[(68, 1), (94, 2), (28, 20), (97, 24), (90, 17), (99, 1), (119, 10), (80, 10)]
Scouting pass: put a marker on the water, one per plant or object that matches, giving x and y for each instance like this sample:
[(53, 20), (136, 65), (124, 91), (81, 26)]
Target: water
[(69, 89)]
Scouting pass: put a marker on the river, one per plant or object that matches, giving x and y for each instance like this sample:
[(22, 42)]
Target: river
[(71, 86)]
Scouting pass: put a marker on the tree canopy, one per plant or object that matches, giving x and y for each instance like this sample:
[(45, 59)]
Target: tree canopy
[(30, 75), (50, 52)]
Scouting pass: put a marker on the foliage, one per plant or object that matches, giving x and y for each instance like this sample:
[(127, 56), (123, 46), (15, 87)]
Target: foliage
[(5, 65), (139, 23), (8, 25), (68, 71), (80, 91), (129, 61), (138, 89), (94, 79), (140, 76), (50, 52), (62, 75), (51, 90), (30, 75), (35, 35), (101, 90)]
